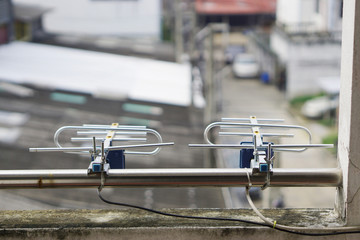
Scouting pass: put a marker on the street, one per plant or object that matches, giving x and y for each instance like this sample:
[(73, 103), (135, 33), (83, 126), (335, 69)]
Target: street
[(249, 97)]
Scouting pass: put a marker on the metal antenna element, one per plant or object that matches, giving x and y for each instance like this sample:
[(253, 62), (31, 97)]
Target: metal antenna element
[(255, 153), (93, 153), (108, 155), (102, 177), (108, 145), (102, 153)]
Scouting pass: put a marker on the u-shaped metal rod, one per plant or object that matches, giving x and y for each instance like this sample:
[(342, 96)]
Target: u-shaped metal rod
[(219, 124), (112, 128)]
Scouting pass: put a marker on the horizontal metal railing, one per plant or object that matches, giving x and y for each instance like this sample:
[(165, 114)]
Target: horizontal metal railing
[(201, 177)]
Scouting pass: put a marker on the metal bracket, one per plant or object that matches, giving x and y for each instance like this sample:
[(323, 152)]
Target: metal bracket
[(269, 161)]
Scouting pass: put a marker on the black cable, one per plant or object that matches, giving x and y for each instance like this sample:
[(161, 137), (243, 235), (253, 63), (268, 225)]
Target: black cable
[(177, 215), (223, 219)]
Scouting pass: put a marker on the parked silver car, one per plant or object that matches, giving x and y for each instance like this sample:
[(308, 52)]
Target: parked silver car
[(245, 66)]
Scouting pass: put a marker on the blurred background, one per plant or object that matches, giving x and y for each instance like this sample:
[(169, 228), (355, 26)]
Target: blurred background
[(175, 66)]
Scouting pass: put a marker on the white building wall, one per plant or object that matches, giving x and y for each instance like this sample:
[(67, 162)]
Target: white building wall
[(120, 18), (329, 18), (334, 20), (307, 9), (280, 46), (348, 202), (307, 63), (296, 12), (288, 11)]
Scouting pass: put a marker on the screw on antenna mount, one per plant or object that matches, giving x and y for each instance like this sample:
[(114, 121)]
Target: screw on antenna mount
[(269, 160)]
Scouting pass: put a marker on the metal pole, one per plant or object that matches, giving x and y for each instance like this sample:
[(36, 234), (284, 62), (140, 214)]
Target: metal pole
[(179, 38), (202, 177), (209, 76)]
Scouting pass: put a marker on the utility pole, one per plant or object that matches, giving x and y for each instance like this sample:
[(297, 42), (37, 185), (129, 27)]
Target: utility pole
[(179, 38), (194, 29), (211, 67), (210, 111), (209, 77), (209, 92)]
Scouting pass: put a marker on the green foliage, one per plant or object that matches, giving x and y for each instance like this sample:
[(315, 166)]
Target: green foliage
[(300, 100), (331, 138), (328, 122), (166, 32)]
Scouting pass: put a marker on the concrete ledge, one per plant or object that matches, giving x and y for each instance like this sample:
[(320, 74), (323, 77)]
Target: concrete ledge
[(137, 224)]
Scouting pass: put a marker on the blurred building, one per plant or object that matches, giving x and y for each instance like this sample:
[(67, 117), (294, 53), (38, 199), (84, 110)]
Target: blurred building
[(43, 87), (20, 21), (307, 41), (28, 21), (140, 18), (6, 21)]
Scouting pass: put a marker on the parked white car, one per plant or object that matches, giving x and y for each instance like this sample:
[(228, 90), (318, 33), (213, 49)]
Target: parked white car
[(245, 66), (231, 51), (320, 106)]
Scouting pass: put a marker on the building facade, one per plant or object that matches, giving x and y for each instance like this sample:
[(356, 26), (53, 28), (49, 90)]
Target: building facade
[(6, 21), (307, 41)]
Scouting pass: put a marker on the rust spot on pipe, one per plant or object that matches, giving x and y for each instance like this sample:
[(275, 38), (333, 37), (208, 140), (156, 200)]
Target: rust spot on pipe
[(40, 183)]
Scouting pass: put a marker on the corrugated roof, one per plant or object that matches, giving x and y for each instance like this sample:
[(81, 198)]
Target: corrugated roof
[(227, 7), (102, 75)]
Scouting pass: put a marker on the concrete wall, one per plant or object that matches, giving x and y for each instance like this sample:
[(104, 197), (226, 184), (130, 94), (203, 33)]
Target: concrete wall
[(310, 56), (294, 12), (299, 12), (136, 224), (288, 11), (280, 45), (349, 115), (307, 63)]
